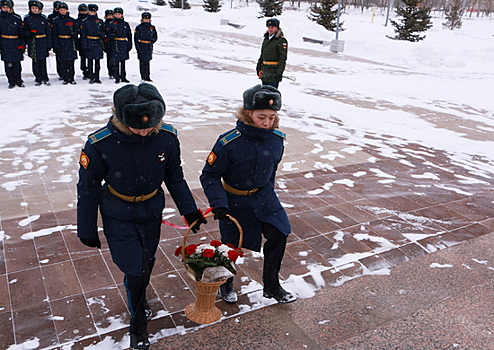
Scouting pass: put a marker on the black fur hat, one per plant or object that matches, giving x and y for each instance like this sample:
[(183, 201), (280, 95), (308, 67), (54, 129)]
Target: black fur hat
[(118, 10), (82, 7), (146, 15), (92, 7), (63, 5), (262, 97), (6, 3), (108, 12), (139, 107), (273, 22), (36, 3)]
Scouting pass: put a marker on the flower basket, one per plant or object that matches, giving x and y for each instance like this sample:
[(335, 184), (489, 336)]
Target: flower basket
[(203, 310)]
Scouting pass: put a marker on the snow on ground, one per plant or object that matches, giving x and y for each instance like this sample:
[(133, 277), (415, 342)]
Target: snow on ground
[(437, 93)]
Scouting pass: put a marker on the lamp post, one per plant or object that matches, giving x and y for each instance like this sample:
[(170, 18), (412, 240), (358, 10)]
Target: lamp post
[(338, 19)]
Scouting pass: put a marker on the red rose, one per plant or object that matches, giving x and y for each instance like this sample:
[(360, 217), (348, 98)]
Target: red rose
[(232, 255), (178, 251), (240, 252), (215, 243), (208, 253), (229, 245), (190, 249)]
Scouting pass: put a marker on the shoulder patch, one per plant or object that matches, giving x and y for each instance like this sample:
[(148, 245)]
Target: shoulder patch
[(230, 137), (99, 135), (280, 134), (169, 128)]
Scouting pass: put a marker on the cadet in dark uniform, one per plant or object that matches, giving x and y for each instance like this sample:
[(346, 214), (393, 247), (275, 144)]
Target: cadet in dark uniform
[(145, 36), (65, 35), (51, 17), (12, 43), (274, 50), (238, 179), (38, 38), (134, 154), (83, 12), (120, 37), (110, 65), (93, 33)]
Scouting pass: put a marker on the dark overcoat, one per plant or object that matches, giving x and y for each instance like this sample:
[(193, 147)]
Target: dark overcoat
[(273, 50), (12, 42), (80, 18), (133, 165), (92, 35), (64, 37), (120, 37), (145, 36), (38, 35), (246, 158)]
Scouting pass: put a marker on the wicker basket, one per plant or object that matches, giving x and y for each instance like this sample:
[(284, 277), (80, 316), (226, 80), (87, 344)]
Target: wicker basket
[(203, 310)]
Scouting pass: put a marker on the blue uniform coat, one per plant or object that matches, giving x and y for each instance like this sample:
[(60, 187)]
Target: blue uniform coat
[(64, 36), (133, 165), (92, 34), (120, 37), (246, 162), (145, 36), (12, 43), (38, 35)]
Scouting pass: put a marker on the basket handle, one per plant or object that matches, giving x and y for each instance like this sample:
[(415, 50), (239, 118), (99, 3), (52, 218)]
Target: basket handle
[(240, 239)]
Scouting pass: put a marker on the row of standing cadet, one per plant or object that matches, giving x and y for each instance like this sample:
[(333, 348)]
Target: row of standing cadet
[(87, 37)]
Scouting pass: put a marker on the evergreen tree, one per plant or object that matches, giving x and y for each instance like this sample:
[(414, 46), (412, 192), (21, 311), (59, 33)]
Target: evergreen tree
[(160, 2), (177, 4), (453, 12), (326, 14), (211, 5), (415, 19), (270, 8)]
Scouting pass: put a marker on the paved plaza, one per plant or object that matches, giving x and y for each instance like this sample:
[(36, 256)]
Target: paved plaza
[(370, 226)]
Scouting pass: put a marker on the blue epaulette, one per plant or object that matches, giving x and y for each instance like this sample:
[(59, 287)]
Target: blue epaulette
[(280, 134), (99, 135), (230, 137), (169, 128)]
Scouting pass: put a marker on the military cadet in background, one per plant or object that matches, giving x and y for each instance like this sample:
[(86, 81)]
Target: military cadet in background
[(65, 35), (274, 49), (83, 12), (122, 169), (110, 65), (51, 17), (93, 33), (145, 36), (239, 179), (38, 39), (12, 43), (120, 37)]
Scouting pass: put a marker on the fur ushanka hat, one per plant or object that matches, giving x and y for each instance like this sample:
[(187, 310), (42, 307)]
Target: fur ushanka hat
[(262, 97), (139, 107)]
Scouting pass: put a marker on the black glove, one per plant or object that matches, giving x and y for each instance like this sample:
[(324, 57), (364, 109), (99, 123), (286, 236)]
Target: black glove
[(279, 77), (192, 217), (92, 242), (220, 213)]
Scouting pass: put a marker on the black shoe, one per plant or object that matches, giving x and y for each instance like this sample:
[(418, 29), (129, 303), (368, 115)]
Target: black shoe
[(227, 292), (73, 82), (124, 80), (92, 81), (281, 295), (11, 86), (117, 81), (46, 83), (85, 77), (60, 78), (138, 344), (37, 83), (65, 82), (97, 81), (21, 85)]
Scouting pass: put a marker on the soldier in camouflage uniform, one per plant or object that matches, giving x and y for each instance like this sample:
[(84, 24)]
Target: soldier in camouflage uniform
[(274, 49)]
